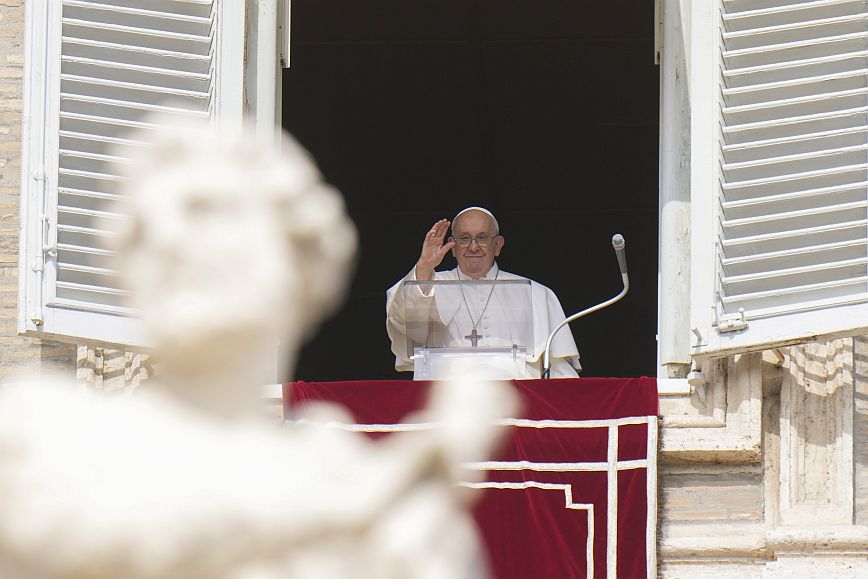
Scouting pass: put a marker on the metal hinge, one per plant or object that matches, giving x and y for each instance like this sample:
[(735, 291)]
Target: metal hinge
[(729, 322), (38, 262), (48, 249)]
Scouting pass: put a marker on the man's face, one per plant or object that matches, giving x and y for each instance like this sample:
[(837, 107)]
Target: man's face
[(476, 257)]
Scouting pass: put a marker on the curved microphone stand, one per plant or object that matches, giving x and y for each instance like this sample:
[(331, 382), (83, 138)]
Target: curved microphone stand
[(618, 243)]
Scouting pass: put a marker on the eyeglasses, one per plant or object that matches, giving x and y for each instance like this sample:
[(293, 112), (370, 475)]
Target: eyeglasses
[(483, 240)]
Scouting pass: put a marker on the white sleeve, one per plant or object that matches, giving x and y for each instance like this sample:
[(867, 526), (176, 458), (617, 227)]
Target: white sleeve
[(548, 313), (396, 323), (564, 367)]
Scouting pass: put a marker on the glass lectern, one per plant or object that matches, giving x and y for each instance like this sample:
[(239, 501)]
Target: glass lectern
[(470, 328)]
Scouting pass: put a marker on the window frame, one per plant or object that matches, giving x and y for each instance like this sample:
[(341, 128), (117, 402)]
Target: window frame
[(40, 315)]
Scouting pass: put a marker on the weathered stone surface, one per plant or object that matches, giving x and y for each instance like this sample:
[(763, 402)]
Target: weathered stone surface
[(111, 371), (816, 434), (727, 426), (714, 492), (860, 430), (800, 512)]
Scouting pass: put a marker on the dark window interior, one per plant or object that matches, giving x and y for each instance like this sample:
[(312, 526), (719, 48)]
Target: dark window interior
[(544, 111)]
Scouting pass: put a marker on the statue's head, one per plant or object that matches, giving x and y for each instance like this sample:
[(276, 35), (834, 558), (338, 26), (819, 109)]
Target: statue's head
[(231, 244)]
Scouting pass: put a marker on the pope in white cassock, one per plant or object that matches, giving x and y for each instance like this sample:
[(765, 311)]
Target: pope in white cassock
[(477, 320)]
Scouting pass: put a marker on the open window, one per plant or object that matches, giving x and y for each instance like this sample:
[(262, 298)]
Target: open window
[(779, 173), (94, 71), (414, 110)]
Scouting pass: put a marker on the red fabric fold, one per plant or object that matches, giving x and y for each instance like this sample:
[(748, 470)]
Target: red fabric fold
[(534, 520)]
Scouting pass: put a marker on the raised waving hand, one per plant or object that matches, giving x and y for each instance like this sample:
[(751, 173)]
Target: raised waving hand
[(433, 250)]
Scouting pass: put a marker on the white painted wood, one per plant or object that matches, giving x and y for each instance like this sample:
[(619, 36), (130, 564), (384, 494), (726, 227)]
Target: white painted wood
[(284, 30), (674, 196), (673, 387), (229, 93), (266, 68), (786, 238), (96, 71), (30, 297), (98, 327), (703, 67)]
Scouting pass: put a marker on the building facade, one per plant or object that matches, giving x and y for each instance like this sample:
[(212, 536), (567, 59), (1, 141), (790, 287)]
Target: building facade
[(763, 197)]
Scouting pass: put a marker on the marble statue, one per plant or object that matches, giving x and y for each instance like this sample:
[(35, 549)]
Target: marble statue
[(232, 247)]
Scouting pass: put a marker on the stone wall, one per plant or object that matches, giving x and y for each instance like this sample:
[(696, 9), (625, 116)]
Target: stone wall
[(18, 356), (111, 371), (764, 471)]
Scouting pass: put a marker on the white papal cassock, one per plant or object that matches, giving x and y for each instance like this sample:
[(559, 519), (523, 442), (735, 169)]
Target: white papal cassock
[(451, 321)]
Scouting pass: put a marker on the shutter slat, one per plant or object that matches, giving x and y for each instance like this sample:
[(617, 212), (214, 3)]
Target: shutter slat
[(131, 124), (841, 38), (92, 156), (101, 138), (89, 212), (87, 303), (86, 250), (856, 283), (754, 240), (734, 148), (88, 193), (800, 26), (833, 58), (794, 176), (163, 90), (159, 34), (770, 274), (132, 105), (90, 175), (84, 230), (730, 17), (748, 90), (135, 67), (772, 255), (792, 214), (823, 97), (791, 158), (137, 11), (799, 119), (64, 266), (821, 192), (97, 289), (102, 45)]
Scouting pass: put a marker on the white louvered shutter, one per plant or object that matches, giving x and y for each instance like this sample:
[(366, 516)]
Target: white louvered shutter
[(790, 177), (104, 66)]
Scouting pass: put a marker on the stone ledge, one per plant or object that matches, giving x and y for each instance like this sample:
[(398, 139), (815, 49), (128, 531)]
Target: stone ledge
[(713, 540), (757, 541), (731, 432), (843, 538)]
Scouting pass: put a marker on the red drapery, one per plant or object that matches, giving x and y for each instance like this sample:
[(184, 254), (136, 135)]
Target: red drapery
[(573, 491)]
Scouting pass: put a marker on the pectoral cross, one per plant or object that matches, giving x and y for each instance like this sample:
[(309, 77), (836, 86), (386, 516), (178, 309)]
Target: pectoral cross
[(474, 337)]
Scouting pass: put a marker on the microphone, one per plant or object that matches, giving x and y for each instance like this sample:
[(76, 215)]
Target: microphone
[(618, 243)]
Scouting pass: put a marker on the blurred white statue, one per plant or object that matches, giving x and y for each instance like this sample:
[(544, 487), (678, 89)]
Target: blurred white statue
[(232, 246)]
